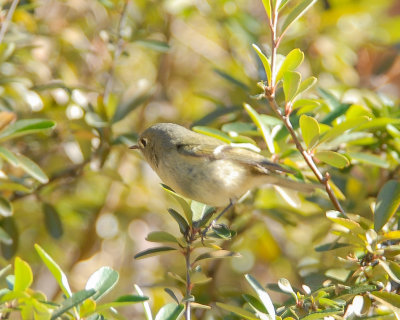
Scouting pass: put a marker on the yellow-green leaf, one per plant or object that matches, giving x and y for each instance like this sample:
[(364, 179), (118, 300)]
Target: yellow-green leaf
[(333, 158), (291, 62), (310, 130), (291, 83), (387, 203)]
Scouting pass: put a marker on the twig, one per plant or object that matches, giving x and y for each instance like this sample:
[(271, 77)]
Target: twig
[(7, 21), (270, 95), (188, 282), (117, 52)]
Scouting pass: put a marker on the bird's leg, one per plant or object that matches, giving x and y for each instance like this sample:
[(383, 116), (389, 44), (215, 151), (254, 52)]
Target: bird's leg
[(230, 205)]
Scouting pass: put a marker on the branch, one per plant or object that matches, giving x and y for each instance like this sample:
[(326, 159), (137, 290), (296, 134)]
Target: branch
[(6, 23), (270, 95), (117, 52)]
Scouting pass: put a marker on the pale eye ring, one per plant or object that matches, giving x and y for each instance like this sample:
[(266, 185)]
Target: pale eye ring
[(143, 142)]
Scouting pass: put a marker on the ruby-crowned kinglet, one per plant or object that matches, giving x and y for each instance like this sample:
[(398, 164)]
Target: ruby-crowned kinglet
[(206, 169)]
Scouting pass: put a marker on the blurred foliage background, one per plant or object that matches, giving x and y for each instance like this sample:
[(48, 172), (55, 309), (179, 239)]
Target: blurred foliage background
[(105, 70)]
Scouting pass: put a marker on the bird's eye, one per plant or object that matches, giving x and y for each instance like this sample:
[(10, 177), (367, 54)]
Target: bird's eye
[(143, 142)]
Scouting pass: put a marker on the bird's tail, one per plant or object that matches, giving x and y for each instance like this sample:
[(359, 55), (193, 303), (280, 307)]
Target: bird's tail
[(293, 185)]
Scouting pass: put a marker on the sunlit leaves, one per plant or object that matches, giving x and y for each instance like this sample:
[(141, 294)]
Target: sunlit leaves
[(170, 311), (333, 158), (296, 13), (6, 208), (291, 83), (387, 203), (153, 252), (26, 126), (291, 62), (23, 275), (55, 269), (265, 62), (310, 130)]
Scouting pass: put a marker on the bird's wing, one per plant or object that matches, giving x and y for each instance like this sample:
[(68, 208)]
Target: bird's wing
[(226, 152)]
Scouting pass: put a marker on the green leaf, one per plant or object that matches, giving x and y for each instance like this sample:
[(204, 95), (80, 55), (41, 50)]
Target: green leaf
[(146, 305), (161, 236), (212, 132), (102, 281), (122, 301), (72, 301), (8, 248), (264, 60), (199, 278), (307, 84), (379, 123), (182, 202), (266, 133), (219, 254), (349, 224), (333, 158), (9, 156), (237, 310), (286, 287), (254, 303), (296, 13), (218, 112), (267, 7), (321, 314), (262, 294), (310, 130), (349, 124), (153, 252), (52, 221), (23, 275), (291, 83), (32, 169), (391, 300), (387, 203), (201, 211), (6, 209), (170, 311), (123, 109), (26, 126), (392, 269), (155, 45), (56, 271), (367, 158), (171, 294), (183, 225), (330, 246), (291, 62)]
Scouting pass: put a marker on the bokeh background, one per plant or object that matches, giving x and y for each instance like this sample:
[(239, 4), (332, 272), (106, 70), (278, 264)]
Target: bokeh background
[(183, 61)]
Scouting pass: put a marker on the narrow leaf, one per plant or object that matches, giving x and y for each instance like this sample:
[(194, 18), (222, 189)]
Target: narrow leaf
[(170, 311), (267, 7), (387, 203), (72, 301), (266, 133), (182, 223), (332, 158), (350, 124), (54, 268), (155, 45), (146, 305), (264, 60), (262, 294), (9, 156), (26, 126), (32, 169), (161, 236), (322, 314), (153, 252), (219, 254), (296, 13), (182, 202), (310, 130), (231, 79)]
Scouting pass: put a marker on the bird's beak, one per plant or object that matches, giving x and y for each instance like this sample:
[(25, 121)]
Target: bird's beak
[(135, 146)]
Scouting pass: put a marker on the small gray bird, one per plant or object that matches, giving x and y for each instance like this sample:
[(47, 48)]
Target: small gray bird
[(206, 169)]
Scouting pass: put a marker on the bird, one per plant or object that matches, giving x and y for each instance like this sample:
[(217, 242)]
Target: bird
[(208, 170)]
